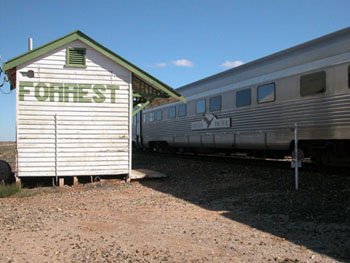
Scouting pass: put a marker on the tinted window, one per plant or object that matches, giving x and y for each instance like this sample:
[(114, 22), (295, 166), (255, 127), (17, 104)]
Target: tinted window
[(313, 83), (172, 112), (215, 103), (266, 93), (349, 76), (182, 110), (159, 115), (200, 106), (243, 98), (151, 116)]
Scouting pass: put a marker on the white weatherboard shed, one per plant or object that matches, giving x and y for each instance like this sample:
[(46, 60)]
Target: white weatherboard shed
[(74, 103)]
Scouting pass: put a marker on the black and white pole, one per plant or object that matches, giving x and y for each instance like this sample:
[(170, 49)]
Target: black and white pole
[(296, 157)]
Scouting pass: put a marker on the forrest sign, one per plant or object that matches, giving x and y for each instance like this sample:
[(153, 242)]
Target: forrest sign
[(68, 92)]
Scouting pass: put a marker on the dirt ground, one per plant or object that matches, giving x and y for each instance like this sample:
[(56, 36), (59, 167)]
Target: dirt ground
[(203, 212)]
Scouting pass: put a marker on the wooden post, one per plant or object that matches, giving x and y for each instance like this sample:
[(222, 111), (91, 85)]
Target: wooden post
[(61, 182), (75, 180), (18, 182)]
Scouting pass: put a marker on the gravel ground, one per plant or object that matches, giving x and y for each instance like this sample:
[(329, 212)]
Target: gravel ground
[(203, 212)]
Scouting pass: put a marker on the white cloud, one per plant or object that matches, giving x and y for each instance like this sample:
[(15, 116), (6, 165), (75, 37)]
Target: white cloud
[(182, 63), (231, 64), (161, 65)]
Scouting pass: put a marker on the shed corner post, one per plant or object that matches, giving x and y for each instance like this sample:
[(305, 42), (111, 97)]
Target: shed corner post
[(128, 177)]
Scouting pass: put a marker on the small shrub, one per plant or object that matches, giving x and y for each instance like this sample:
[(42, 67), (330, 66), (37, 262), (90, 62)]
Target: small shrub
[(8, 190)]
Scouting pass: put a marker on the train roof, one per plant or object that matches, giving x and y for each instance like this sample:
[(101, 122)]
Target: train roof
[(329, 45)]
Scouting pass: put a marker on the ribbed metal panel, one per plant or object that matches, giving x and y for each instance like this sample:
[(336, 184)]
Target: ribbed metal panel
[(318, 117)]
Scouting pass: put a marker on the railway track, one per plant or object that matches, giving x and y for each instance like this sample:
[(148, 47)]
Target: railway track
[(285, 164)]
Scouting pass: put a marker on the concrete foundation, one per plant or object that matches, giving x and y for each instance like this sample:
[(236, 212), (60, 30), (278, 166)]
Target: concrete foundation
[(144, 173)]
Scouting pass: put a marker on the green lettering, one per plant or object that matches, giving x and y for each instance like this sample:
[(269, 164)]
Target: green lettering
[(100, 98), (23, 91), (56, 88), (70, 89), (41, 87), (83, 93), (68, 92), (112, 88)]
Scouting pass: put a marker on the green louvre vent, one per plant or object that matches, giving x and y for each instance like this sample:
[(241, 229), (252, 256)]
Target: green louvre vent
[(75, 57)]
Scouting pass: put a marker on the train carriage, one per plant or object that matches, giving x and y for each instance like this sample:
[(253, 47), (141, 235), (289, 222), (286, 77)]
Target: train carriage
[(254, 107)]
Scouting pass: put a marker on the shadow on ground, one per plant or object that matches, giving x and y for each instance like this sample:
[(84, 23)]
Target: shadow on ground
[(317, 217)]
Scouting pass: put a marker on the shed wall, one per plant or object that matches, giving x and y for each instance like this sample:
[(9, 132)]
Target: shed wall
[(66, 134)]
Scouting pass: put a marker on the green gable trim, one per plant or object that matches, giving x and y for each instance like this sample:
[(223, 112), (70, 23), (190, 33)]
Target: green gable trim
[(78, 35), (37, 52)]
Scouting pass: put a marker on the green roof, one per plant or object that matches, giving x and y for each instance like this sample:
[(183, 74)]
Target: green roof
[(78, 35)]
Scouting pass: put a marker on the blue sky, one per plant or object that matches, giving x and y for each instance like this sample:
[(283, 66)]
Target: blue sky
[(177, 41)]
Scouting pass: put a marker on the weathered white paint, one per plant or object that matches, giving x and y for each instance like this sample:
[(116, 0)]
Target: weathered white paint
[(90, 138)]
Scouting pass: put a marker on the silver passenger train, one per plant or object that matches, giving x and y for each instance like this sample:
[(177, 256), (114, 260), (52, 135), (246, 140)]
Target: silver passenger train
[(253, 107)]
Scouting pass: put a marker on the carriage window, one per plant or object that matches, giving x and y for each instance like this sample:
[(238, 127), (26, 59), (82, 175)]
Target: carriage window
[(266, 93), (200, 106), (215, 103), (172, 112), (243, 98), (182, 110), (144, 118), (151, 116), (159, 115), (313, 83), (349, 76)]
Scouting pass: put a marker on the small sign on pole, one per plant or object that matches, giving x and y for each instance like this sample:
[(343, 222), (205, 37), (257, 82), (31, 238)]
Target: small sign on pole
[(293, 164)]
